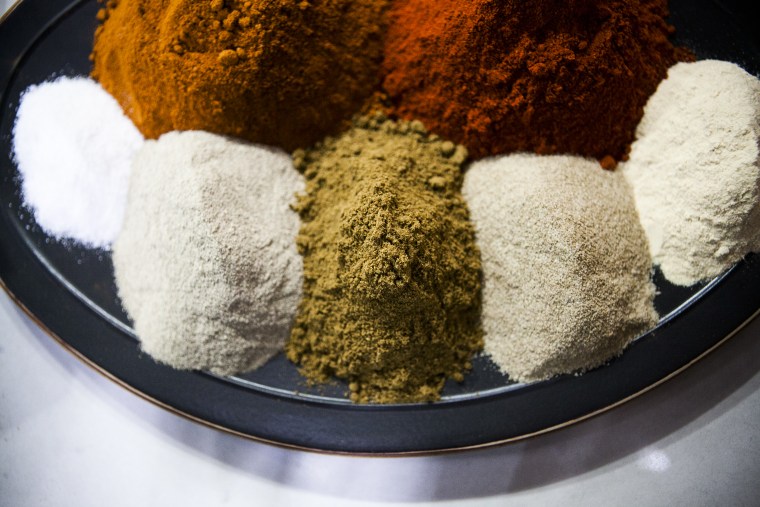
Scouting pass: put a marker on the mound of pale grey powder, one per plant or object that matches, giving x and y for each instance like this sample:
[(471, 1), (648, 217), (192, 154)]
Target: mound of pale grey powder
[(206, 263), (695, 170), (566, 267)]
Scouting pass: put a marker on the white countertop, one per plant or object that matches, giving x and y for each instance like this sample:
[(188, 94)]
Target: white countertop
[(70, 437)]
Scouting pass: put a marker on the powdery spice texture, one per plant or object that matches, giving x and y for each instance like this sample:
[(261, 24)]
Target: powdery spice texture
[(279, 72), (695, 170), (206, 264), (565, 261), (73, 147), (503, 75)]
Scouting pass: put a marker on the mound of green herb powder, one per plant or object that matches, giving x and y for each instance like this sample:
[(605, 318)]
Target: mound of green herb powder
[(392, 275)]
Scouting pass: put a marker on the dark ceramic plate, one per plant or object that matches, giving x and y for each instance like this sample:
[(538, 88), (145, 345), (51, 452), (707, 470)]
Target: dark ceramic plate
[(70, 291)]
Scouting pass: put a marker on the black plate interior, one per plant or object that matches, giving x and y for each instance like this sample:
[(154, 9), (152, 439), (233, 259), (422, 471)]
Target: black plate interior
[(71, 291)]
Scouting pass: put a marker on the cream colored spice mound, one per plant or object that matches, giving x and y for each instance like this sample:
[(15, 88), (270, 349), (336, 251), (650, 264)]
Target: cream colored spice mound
[(206, 263), (695, 170), (566, 267)]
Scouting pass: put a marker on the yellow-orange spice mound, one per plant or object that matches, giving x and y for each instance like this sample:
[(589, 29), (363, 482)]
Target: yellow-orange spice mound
[(276, 72)]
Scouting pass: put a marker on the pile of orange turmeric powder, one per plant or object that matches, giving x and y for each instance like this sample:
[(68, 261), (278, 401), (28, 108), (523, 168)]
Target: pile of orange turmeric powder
[(280, 72)]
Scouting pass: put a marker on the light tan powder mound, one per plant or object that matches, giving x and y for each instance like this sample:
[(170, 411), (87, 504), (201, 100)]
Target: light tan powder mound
[(695, 170), (566, 264), (206, 263)]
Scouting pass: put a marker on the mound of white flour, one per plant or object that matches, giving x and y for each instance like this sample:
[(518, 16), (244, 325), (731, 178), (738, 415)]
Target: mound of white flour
[(695, 170), (206, 263)]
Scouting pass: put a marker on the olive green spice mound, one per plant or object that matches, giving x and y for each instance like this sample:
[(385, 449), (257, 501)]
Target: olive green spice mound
[(392, 275)]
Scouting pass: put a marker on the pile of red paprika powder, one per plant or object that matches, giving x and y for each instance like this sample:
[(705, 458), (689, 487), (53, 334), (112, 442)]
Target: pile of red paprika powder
[(507, 75)]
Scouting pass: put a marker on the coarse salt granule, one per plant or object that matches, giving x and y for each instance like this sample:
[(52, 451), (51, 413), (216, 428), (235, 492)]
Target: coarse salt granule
[(73, 147)]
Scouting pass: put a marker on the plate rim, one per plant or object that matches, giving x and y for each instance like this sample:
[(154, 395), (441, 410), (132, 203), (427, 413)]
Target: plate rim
[(284, 445)]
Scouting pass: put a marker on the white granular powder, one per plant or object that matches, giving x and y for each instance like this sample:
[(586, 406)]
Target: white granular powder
[(694, 170), (566, 267), (206, 263), (73, 147)]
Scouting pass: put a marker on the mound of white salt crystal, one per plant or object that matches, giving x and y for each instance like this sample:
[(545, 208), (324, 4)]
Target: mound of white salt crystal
[(74, 146)]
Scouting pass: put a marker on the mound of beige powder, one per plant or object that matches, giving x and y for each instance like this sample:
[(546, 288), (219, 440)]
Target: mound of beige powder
[(695, 170), (566, 266), (206, 263)]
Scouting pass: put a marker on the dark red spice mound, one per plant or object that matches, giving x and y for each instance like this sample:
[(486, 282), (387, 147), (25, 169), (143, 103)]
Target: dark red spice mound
[(539, 75)]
